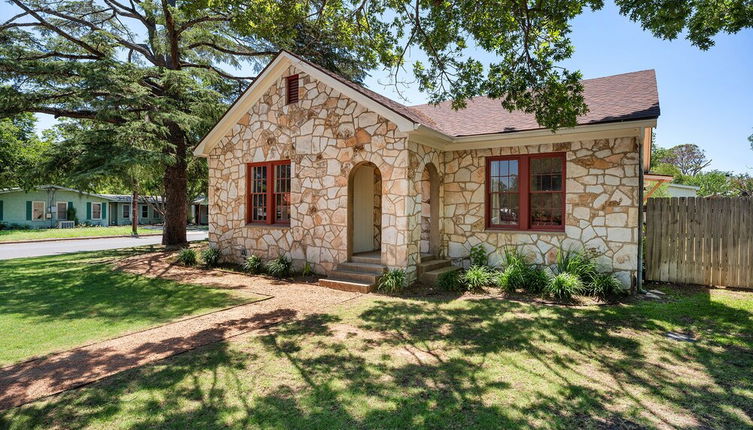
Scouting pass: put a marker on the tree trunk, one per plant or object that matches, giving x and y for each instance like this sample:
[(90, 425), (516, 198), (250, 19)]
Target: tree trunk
[(134, 214), (176, 191)]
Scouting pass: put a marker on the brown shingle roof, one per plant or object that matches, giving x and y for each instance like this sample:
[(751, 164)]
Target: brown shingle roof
[(625, 97)]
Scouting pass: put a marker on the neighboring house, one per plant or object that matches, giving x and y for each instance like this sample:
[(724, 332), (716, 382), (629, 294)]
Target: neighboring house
[(121, 209), (310, 165), (47, 205), (199, 213), (680, 190)]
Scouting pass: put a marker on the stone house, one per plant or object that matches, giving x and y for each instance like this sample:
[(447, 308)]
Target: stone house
[(313, 166)]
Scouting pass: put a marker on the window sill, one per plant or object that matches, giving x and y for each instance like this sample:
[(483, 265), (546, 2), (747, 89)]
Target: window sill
[(512, 230), (260, 225)]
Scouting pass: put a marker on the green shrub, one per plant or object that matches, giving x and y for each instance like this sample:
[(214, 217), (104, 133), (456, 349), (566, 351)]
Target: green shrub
[(307, 270), (451, 280), (279, 267), (512, 278), (564, 286), (211, 257), (479, 256), (187, 257), (536, 280), (392, 282), (604, 285), (478, 277), (577, 263), (254, 265)]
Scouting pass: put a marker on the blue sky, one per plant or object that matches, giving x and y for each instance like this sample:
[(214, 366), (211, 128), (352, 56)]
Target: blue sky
[(706, 97)]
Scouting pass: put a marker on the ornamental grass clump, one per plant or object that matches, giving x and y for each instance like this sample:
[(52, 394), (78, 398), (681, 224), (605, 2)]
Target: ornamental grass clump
[(254, 265), (211, 257), (604, 285), (279, 267), (452, 280), (392, 281), (564, 286), (187, 257), (478, 277)]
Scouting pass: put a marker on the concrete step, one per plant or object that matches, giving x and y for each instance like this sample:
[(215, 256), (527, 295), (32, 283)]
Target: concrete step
[(427, 257), (352, 266), (350, 275), (370, 259), (428, 266), (345, 285), (430, 277)]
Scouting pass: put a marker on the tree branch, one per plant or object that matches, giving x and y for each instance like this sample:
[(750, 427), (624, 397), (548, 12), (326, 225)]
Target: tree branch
[(231, 51)]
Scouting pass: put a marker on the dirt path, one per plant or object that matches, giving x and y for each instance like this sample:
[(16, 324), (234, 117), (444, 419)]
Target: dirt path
[(28, 381)]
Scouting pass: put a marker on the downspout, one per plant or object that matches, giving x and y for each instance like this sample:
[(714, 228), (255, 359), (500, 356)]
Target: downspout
[(639, 274)]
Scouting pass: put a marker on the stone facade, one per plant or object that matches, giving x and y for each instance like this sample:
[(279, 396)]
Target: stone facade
[(326, 135), (601, 205)]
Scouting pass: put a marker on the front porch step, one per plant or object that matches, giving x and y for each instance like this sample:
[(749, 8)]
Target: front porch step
[(367, 258), (361, 274), (428, 266), (345, 285), (353, 266), (430, 277), (427, 257)]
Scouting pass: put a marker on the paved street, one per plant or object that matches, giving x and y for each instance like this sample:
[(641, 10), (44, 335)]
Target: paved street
[(21, 250)]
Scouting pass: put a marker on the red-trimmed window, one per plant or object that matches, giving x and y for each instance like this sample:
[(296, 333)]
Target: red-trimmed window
[(292, 89), (268, 189), (526, 192)]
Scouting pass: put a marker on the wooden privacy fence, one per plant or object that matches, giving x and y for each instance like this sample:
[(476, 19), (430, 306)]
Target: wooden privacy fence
[(700, 240)]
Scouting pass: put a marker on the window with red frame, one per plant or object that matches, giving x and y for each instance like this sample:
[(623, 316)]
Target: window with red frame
[(526, 192), (268, 192)]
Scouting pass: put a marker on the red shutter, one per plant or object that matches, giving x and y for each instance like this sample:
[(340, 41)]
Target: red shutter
[(292, 87)]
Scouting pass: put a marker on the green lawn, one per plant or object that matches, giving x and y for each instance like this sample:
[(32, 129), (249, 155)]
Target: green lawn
[(381, 362), (54, 303), (60, 233)]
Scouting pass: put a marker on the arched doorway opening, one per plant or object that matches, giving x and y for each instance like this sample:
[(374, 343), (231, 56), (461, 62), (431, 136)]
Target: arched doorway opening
[(430, 237), (365, 210)]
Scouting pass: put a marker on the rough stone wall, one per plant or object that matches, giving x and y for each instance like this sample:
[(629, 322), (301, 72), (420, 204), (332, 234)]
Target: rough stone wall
[(325, 135), (601, 205)]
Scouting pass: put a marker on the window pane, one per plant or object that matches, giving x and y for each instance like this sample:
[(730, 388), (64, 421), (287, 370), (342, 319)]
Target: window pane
[(546, 209), (504, 175), (62, 211), (96, 210), (126, 211), (546, 174), (505, 209), (37, 212), (282, 193)]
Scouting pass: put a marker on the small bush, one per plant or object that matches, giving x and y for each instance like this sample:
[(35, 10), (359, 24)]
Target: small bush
[(254, 265), (519, 274), (187, 257), (478, 277), (211, 257), (479, 256), (392, 281), (537, 280), (279, 267), (604, 285), (577, 263), (307, 270), (451, 281), (564, 286), (510, 279)]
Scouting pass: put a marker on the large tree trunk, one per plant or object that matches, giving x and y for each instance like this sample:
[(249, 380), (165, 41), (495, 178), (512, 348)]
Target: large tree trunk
[(176, 189), (134, 214)]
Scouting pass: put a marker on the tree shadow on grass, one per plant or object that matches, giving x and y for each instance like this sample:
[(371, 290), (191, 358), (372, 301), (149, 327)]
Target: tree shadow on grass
[(439, 364)]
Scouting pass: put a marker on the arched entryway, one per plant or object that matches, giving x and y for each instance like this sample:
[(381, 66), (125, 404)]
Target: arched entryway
[(365, 210), (430, 236)]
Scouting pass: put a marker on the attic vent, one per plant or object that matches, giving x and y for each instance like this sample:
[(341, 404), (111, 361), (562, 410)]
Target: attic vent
[(292, 87)]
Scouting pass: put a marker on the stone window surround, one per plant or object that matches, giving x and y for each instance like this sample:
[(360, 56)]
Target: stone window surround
[(524, 194), (270, 194)]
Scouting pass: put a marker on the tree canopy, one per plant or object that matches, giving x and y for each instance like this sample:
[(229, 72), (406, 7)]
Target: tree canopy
[(21, 150), (144, 79)]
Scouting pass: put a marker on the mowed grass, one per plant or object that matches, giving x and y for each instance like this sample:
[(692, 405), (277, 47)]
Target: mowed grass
[(387, 363), (59, 302), (63, 233)]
